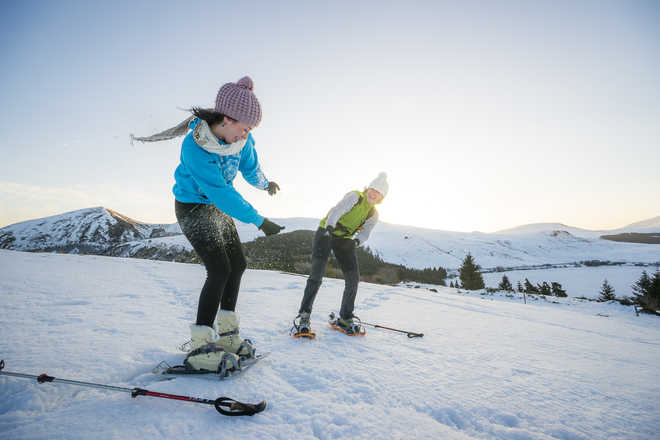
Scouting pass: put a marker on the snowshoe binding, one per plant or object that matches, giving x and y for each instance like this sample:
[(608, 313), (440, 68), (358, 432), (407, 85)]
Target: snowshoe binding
[(208, 356), (350, 327), (226, 368), (302, 327)]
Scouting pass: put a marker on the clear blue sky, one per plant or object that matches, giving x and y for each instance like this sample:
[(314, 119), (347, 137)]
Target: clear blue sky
[(485, 115)]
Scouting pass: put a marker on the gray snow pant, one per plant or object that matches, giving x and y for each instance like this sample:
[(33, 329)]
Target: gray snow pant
[(213, 235), (344, 250)]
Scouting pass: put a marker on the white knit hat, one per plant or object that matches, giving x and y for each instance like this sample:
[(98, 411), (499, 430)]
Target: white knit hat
[(380, 184)]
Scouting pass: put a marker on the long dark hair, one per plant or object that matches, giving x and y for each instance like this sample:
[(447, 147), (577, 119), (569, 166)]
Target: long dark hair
[(209, 115)]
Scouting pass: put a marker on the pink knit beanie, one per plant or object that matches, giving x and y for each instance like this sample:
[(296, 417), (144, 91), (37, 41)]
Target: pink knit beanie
[(237, 101)]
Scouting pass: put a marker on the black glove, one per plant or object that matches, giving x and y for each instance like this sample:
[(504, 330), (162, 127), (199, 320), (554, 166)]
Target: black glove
[(270, 228), (357, 242), (272, 188)]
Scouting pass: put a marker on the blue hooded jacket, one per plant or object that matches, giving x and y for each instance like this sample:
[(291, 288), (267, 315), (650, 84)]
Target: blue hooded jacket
[(204, 177)]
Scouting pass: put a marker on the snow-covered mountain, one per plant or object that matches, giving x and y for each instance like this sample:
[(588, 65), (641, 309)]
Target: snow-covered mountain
[(85, 230), (102, 231), (535, 228)]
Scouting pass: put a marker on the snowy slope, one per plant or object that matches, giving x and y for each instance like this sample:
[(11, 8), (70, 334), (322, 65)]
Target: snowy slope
[(487, 368), (650, 225)]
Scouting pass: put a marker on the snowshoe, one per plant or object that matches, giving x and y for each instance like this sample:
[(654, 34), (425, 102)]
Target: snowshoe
[(221, 373), (302, 327), (347, 326)]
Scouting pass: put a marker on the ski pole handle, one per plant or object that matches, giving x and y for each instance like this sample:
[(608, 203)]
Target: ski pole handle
[(238, 408)]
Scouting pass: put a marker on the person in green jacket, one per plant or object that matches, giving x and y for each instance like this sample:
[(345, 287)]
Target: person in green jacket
[(346, 226)]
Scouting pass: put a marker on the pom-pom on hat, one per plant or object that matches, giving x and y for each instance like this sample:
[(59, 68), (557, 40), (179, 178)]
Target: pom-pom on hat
[(380, 184), (237, 100)]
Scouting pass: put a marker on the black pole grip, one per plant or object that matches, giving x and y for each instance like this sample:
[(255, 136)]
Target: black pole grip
[(237, 408)]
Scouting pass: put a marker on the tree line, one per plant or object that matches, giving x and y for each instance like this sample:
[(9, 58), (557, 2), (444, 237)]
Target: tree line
[(646, 293), (646, 290)]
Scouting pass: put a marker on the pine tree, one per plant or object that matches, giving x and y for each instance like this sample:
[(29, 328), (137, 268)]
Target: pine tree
[(471, 279), (544, 288), (558, 291), (606, 292), (505, 284), (529, 287), (647, 292)]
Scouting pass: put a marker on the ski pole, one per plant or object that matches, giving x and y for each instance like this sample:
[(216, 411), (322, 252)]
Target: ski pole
[(409, 334), (235, 408)]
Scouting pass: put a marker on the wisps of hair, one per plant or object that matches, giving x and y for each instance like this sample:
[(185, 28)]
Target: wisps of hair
[(209, 115)]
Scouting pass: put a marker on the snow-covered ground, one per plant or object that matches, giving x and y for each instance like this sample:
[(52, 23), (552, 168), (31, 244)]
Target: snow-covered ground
[(577, 281), (487, 367)]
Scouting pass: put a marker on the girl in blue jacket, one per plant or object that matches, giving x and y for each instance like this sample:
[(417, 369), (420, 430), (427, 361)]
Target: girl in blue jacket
[(217, 147)]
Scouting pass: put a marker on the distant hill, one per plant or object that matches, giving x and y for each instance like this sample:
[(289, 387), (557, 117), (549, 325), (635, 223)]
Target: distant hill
[(649, 225), (103, 231), (535, 228), (292, 252), (100, 231)]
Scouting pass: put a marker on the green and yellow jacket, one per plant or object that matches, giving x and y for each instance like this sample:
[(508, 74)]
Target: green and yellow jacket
[(353, 217)]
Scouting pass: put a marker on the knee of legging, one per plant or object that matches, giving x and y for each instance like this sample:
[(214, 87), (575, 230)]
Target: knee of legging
[(239, 265), (218, 271), (351, 276), (315, 282)]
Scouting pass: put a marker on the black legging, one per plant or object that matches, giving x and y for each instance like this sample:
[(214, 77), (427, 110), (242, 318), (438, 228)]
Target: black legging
[(213, 235)]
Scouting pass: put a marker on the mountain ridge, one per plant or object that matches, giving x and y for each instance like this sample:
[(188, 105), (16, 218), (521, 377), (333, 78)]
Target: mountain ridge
[(106, 232)]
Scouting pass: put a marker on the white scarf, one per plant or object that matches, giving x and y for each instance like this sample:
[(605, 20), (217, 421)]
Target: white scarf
[(206, 139)]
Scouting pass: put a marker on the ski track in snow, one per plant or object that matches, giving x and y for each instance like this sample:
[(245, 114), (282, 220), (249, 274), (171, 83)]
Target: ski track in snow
[(488, 367)]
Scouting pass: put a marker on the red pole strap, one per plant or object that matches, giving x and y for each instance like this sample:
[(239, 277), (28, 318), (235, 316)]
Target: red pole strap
[(235, 408)]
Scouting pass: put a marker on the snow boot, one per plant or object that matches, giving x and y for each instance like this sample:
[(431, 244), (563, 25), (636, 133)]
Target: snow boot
[(348, 326), (302, 327), (206, 355), (229, 339)]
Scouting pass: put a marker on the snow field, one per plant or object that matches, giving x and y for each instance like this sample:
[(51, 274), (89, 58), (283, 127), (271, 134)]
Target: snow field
[(487, 367)]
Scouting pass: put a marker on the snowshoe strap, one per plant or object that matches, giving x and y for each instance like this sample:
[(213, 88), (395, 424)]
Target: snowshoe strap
[(246, 350), (298, 327), (228, 364), (208, 348), (185, 347), (236, 408), (233, 332)]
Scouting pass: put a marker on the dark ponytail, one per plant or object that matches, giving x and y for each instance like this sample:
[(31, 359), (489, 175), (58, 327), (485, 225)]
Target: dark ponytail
[(209, 115)]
